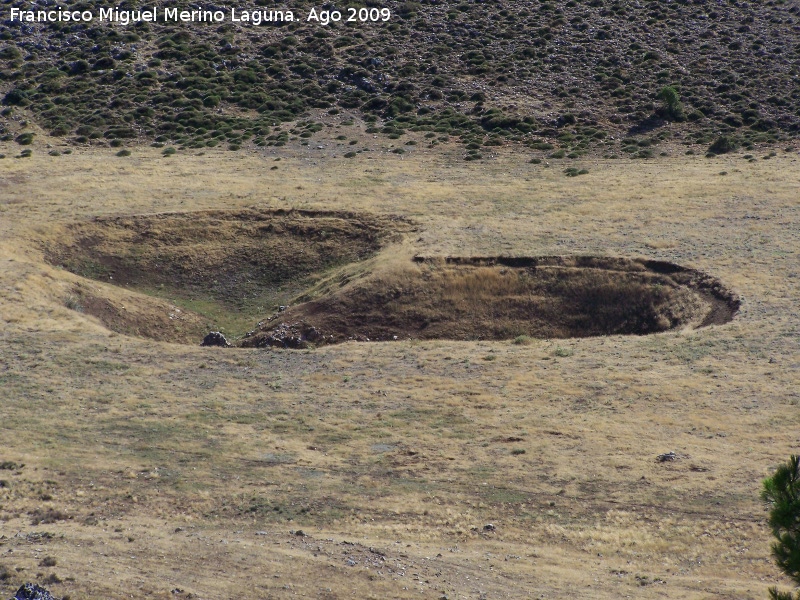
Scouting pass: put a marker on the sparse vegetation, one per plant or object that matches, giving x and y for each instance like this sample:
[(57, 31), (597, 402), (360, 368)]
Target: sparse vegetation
[(193, 86), (46, 516), (73, 303)]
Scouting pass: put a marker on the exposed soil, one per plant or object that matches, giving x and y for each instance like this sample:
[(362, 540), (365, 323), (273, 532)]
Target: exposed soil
[(259, 263), (502, 298), (215, 267), (131, 313), (227, 255)]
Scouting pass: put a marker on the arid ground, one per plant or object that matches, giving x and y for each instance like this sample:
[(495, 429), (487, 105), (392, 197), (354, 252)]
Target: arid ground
[(132, 466)]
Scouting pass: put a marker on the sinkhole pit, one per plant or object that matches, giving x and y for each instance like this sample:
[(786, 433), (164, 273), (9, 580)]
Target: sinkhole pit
[(295, 278)]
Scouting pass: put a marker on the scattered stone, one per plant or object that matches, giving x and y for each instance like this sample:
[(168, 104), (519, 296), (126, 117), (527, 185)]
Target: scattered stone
[(289, 335), (31, 591), (667, 456), (215, 338), (313, 334)]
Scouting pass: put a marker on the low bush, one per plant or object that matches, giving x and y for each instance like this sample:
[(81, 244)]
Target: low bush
[(722, 145)]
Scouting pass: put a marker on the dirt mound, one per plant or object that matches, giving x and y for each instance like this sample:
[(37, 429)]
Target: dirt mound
[(497, 298), (130, 313)]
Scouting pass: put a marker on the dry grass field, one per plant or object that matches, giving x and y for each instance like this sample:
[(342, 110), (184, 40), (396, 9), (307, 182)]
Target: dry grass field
[(138, 468)]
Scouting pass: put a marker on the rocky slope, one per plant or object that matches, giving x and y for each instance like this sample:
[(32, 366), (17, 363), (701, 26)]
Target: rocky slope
[(561, 77)]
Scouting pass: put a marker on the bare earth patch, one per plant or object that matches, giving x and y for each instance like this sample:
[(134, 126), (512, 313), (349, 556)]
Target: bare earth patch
[(504, 298), (223, 269)]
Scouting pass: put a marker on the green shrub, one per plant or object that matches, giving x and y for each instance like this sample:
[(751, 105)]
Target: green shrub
[(16, 97), (24, 139), (673, 108), (574, 172), (722, 145), (10, 53)]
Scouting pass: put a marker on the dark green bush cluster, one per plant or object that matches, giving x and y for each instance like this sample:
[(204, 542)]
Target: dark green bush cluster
[(722, 145), (573, 172), (781, 493)]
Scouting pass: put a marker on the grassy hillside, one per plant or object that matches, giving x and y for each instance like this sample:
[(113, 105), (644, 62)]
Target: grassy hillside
[(560, 77)]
